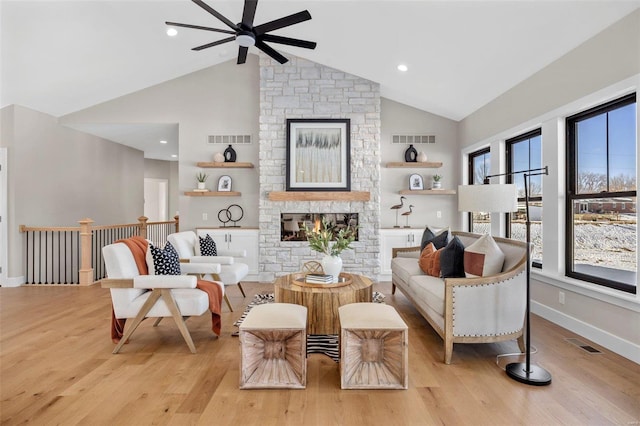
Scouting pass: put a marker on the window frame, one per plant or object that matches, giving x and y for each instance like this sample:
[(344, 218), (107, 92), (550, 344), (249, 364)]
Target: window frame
[(471, 176), (509, 143), (572, 195)]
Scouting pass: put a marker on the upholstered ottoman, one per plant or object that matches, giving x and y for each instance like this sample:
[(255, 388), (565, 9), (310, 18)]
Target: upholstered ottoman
[(273, 345), (373, 347)]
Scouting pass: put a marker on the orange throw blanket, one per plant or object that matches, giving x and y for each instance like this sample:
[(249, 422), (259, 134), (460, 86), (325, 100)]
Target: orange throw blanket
[(138, 247)]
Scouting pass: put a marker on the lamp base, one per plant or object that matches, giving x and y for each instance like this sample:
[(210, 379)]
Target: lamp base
[(536, 376)]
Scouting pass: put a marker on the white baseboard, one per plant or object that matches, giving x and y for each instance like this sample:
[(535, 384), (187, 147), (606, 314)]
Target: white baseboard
[(13, 282), (614, 343)]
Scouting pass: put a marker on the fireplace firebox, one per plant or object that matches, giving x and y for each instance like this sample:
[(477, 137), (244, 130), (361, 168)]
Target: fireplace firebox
[(292, 225)]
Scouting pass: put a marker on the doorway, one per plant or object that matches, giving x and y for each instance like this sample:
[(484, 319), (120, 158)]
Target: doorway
[(156, 199)]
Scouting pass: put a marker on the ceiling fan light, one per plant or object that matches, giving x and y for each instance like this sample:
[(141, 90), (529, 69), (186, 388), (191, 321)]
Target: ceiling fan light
[(245, 40)]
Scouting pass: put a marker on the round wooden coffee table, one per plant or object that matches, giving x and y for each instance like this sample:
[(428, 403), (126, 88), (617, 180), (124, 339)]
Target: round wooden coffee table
[(322, 301)]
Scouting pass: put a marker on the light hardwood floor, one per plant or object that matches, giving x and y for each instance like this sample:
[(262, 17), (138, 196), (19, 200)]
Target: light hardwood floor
[(57, 368)]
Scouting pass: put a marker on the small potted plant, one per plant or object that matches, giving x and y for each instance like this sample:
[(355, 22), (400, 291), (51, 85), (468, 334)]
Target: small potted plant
[(321, 241), (202, 179), (436, 182)]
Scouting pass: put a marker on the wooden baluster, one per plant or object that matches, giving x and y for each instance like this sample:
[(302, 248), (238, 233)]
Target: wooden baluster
[(86, 270), (143, 226), (177, 219)]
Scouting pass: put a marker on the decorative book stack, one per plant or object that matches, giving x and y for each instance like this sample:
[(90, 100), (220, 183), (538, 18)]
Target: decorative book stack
[(319, 278), (200, 190)]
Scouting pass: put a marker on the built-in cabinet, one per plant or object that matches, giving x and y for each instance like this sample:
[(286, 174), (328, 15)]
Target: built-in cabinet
[(395, 237), (237, 239)]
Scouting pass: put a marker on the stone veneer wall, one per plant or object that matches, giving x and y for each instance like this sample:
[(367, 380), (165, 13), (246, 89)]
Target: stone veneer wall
[(304, 89)]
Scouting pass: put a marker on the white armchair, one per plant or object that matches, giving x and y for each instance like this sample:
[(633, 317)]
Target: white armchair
[(141, 296), (187, 245)]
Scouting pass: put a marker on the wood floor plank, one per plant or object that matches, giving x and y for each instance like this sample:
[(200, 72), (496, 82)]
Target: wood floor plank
[(56, 367)]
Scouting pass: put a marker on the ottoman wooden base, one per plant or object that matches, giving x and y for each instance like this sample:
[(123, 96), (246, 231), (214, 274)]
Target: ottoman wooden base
[(373, 347), (273, 347)]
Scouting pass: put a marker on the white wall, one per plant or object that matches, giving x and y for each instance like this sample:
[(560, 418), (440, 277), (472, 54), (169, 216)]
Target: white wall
[(223, 99), (58, 176), (603, 68)]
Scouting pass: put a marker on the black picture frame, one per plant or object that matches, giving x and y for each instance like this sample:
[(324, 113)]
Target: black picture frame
[(318, 154)]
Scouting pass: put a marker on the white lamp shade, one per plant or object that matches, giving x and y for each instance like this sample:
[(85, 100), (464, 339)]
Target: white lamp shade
[(488, 198)]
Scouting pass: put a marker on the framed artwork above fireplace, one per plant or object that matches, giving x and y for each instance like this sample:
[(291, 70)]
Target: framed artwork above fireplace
[(318, 155)]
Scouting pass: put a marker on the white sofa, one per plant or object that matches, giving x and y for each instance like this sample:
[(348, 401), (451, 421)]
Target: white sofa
[(467, 310)]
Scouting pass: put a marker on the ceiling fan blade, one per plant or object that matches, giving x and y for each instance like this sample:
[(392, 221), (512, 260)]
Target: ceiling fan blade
[(198, 27), (271, 52), (282, 22), (215, 43), (289, 41), (249, 12), (216, 14), (242, 55)]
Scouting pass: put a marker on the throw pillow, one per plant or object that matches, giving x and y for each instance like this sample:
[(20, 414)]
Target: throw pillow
[(208, 246), (163, 261), (439, 238), (483, 258), (452, 259), (430, 260)]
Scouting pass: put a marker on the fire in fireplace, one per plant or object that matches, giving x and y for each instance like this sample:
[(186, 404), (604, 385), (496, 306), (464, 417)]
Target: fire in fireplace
[(292, 224)]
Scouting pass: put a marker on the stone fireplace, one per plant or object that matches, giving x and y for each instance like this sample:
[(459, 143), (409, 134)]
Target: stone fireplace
[(304, 89)]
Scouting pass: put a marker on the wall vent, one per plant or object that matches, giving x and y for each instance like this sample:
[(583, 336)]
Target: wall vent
[(413, 139), (583, 345), (229, 139)]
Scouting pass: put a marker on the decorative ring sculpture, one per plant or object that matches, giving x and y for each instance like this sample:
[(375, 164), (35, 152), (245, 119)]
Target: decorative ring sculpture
[(230, 215)]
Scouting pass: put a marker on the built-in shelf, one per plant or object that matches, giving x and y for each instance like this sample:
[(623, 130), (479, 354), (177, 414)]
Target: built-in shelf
[(319, 196), (216, 165), (213, 194), (429, 192), (413, 165)]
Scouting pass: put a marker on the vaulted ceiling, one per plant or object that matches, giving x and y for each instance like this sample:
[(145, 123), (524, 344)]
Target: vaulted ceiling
[(63, 56)]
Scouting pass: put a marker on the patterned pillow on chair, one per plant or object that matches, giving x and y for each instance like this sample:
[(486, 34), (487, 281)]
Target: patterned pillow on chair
[(208, 246), (163, 261)]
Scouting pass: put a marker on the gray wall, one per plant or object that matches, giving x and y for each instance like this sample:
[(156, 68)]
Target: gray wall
[(609, 57), (402, 119), (58, 176), (223, 99)]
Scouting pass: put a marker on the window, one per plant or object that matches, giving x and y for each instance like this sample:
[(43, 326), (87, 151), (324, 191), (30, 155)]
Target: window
[(479, 167), (524, 152), (601, 170)]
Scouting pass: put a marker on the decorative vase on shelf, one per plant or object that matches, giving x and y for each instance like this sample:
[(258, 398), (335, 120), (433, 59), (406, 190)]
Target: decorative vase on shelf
[(218, 157), (410, 155), (230, 155), (201, 185), (422, 157), (332, 265)]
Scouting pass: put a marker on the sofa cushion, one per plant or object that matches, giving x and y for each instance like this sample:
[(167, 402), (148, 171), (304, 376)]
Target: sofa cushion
[(429, 290), (208, 246), (163, 261), (405, 267), (439, 237), (430, 260), (483, 258), (452, 260)]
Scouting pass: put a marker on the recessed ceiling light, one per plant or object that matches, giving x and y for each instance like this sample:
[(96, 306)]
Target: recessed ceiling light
[(402, 67), (174, 155), (172, 32), (163, 141)]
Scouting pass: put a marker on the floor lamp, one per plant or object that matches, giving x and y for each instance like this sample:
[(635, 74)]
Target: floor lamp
[(503, 198)]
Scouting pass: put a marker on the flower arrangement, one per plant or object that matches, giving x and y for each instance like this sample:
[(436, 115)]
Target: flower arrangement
[(320, 241)]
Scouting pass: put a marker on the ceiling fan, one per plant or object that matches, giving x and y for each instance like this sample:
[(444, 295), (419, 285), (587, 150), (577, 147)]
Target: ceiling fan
[(246, 35)]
